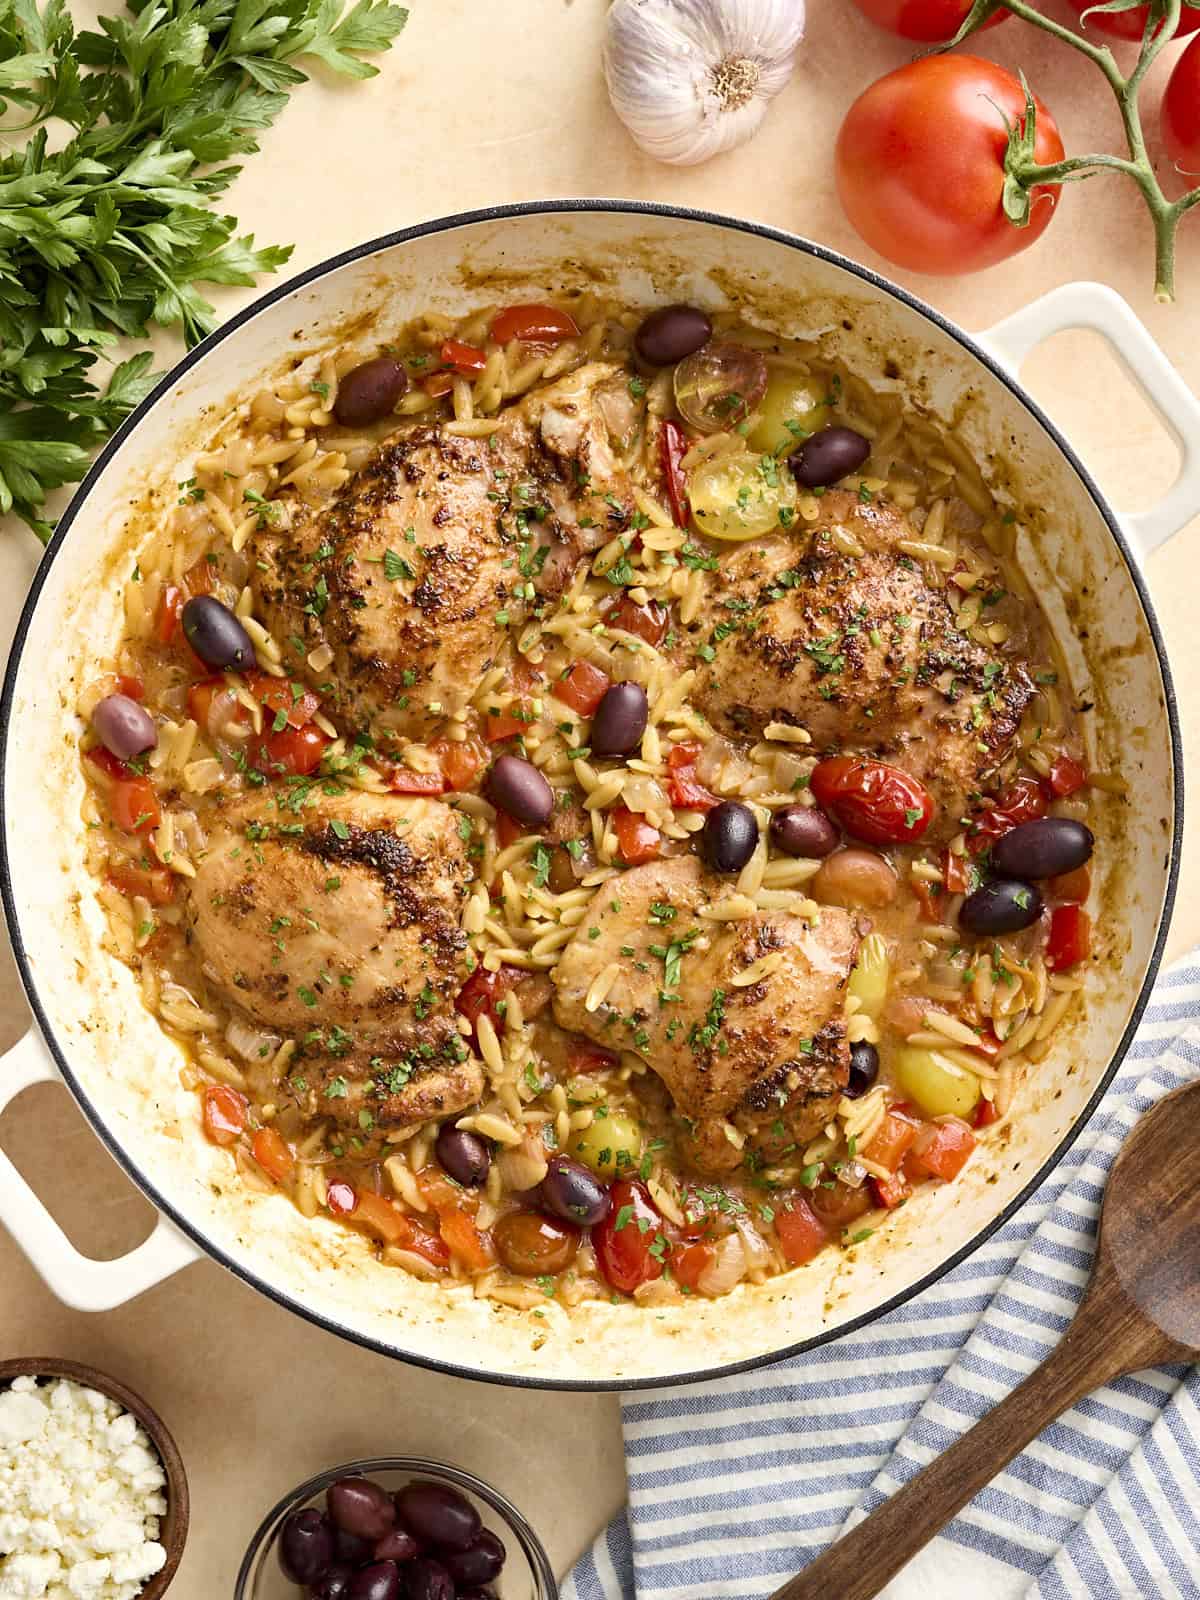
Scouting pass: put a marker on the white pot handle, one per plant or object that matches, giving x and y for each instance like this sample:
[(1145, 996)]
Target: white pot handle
[(1095, 306), (76, 1279)]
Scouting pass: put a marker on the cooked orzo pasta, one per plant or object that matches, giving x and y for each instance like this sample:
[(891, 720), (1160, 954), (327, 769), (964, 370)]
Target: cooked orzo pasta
[(593, 797)]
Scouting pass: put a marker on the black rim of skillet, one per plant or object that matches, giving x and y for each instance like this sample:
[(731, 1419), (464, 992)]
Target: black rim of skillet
[(265, 1537), (498, 214)]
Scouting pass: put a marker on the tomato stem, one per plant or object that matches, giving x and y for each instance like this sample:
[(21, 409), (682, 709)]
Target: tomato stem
[(1161, 27)]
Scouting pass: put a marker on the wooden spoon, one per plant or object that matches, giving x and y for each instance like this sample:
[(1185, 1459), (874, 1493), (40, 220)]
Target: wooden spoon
[(1142, 1308)]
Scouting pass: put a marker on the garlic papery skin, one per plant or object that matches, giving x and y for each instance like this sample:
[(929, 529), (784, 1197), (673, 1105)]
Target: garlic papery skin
[(691, 78)]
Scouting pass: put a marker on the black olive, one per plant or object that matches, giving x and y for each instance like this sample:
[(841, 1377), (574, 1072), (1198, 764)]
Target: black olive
[(1001, 906), (1043, 848), (670, 333), (729, 837), (828, 456)]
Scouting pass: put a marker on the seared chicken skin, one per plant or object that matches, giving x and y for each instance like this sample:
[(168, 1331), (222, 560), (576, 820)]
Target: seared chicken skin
[(410, 577), (859, 649), (769, 1058), (338, 923)]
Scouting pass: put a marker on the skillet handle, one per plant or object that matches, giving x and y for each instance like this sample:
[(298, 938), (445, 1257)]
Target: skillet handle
[(1095, 306), (76, 1279)]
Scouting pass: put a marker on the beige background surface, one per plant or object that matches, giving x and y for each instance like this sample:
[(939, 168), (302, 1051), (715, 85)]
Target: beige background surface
[(481, 103)]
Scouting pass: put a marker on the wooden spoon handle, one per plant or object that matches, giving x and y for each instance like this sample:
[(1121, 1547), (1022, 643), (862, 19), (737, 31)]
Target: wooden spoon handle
[(861, 1563)]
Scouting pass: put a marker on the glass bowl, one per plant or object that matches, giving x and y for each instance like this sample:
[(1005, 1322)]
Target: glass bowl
[(527, 1573)]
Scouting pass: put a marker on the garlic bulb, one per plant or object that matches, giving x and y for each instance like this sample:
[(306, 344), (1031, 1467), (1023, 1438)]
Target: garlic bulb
[(691, 78)]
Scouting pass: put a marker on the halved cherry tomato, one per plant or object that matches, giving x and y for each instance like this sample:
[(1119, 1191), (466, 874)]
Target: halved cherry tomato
[(533, 324), (636, 839), (1023, 801), (941, 1149), (956, 870), (460, 760), (340, 1198), (585, 1056), (891, 1191), (461, 358), (1070, 940), (483, 991), (1066, 775), (1071, 886), (583, 688), (690, 1264), (800, 1232), (648, 622), (890, 1143), (630, 1245), (498, 725), (928, 21), (473, 1248), (224, 1113), (170, 608), (686, 791), (272, 1155), (295, 752), (298, 704), (873, 801), (132, 800), (837, 1205), (156, 884), (403, 780), (985, 1113), (673, 446), (438, 383), (131, 686)]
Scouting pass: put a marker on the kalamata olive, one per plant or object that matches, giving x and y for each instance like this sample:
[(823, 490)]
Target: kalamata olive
[(1001, 906), (804, 831), (534, 1246), (438, 1514), (124, 727), (864, 1068), (425, 1579), (215, 634), (729, 837), (518, 788), (1043, 849), (350, 1549), (828, 456), (464, 1156), (379, 1581), (479, 1563), (335, 1585), (306, 1546), (396, 1545), (620, 720), (361, 1507), (573, 1193), (670, 333), (369, 391)]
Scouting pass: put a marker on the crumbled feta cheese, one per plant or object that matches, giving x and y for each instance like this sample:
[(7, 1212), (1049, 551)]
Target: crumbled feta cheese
[(81, 1492)]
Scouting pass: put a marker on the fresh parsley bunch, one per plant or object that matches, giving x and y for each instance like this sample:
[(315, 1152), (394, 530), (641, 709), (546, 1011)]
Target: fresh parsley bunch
[(117, 143)]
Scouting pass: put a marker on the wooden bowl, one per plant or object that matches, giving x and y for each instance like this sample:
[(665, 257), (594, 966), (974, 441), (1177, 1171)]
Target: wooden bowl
[(174, 1526)]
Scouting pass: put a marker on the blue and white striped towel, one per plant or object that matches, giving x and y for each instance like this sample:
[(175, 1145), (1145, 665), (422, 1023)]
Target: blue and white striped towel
[(733, 1485)]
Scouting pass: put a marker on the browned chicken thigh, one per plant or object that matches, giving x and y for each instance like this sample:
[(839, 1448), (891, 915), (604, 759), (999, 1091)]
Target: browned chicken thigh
[(404, 585), (756, 1064), (859, 649), (337, 922)]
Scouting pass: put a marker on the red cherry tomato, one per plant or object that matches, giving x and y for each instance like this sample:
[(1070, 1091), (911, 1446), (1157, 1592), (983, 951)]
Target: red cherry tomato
[(1070, 940), (293, 752), (583, 1055), (464, 359), (1181, 106), (673, 446), (298, 704), (929, 21), (920, 165), (534, 324), (636, 839), (224, 1113), (132, 801), (630, 1245), (872, 801), (483, 991), (800, 1232), (1128, 24), (1066, 774), (1023, 801)]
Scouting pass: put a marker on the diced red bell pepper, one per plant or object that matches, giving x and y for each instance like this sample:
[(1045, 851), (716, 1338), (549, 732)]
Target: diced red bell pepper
[(170, 608), (508, 829), (499, 725), (464, 1239), (583, 688), (273, 1155), (985, 1113), (156, 884), (648, 622), (461, 761), (941, 1149), (637, 841), (1066, 776), (956, 871), (891, 1140), (1070, 940), (463, 359), (583, 1055), (203, 693), (483, 991), (299, 705), (132, 800), (800, 1232), (929, 898), (133, 687), (533, 324), (686, 791), (387, 1222), (1072, 886), (690, 1264), (403, 780), (673, 446), (438, 383), (224, 1113), (891, 1191)]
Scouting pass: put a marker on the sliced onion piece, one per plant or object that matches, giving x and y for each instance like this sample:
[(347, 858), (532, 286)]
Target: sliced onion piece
[(727, 1268)]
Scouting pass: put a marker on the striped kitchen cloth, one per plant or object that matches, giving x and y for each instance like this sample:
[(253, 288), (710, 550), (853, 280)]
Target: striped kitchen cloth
[(735, 1484)]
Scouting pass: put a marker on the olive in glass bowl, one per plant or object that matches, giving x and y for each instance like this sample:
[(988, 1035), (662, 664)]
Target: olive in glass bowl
[(395, 1528)]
